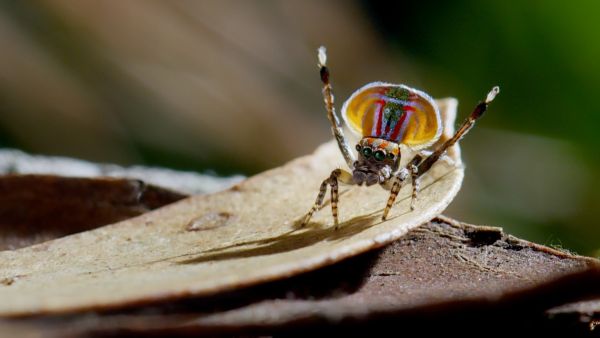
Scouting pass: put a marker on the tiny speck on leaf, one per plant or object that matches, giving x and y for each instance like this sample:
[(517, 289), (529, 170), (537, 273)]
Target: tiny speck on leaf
[(209, 221)]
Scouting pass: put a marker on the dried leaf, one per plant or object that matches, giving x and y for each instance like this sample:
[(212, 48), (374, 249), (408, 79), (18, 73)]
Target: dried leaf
[(17, 162), (584, 314), (211, 243)]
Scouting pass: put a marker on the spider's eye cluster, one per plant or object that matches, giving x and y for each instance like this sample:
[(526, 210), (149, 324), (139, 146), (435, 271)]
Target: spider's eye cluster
[(378, 155)]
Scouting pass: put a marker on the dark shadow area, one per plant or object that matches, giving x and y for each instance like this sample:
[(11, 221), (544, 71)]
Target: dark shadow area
[(294, 239)]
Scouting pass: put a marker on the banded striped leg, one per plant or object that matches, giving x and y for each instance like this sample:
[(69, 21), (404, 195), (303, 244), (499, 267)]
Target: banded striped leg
[(336, 129), (398, 180), (414, 174), (412, 169), (335, 197), (336, 175), (462, 131)]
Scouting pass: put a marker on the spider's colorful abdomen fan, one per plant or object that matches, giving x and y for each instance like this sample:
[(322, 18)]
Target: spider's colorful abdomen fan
[(393, 112)]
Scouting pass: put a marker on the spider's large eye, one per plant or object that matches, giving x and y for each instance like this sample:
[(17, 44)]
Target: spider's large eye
[(391, 156), (367, 151), (379, 155)]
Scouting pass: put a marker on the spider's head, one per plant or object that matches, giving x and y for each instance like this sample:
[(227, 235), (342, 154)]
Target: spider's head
[(377, 160)]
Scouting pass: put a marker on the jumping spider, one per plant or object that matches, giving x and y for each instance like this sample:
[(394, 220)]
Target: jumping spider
[(387, 116)]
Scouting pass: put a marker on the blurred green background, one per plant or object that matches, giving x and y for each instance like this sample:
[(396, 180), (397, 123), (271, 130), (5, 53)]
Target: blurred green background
[(232, 86)]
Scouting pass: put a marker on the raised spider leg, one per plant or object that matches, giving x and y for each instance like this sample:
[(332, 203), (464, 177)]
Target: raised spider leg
[(336, 175), (462, 131), (338, 133), (418, 166)]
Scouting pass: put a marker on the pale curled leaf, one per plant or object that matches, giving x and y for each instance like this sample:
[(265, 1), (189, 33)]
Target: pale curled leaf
[(17, 162), (251, 236)]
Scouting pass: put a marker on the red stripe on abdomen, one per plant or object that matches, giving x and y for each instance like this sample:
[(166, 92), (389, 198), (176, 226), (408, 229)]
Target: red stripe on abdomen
[(379, 117), (400, 122)]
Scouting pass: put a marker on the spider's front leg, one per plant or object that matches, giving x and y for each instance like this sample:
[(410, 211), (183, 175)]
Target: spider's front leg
[(336, 176), (399, 178), (336, 127)]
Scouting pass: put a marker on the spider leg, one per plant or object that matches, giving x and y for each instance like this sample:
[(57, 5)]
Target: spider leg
[(317, 203), (414, 174), (336, 128), (462, 131), (399, 178), (338, 175)]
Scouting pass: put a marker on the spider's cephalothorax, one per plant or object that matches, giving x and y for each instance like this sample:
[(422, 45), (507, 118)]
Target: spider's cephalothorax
[(386, 116), (377, 160)]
